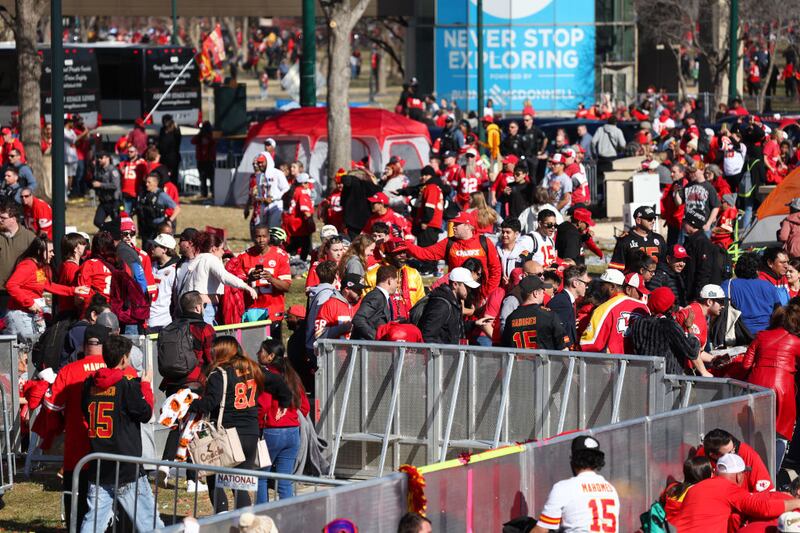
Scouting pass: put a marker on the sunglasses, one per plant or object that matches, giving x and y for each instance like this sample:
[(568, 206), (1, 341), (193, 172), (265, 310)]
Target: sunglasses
[(129, 234), (548, 226)]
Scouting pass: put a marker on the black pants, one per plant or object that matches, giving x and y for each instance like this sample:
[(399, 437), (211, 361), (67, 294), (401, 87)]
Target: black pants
[(300, 245), (104, 211), (242, 498), (83, 492), (427, 237), (206, 170)]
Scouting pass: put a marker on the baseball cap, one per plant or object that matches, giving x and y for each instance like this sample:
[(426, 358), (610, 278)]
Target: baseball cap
[(5, 131), (794, 204), (395, 246), (297, 310), (394, 160), (327, 231), (789, 522), (270, 141), (427, 170), (614, 276), (462, 275), (695, 220), (379, 198), (661, 300), (731, 463), (464, 217), (472, 152), (583, 215), (557, 158), (531, 283), (449, 118), (96, 331), (510, 159), (353, 282), (713, 292), (585, 442), (262, 157), (568, 152), (126, 223), (449, 153), (165, 241), (340, 525), (488, 118), (636, 281), (188, 234), (644, 211), (303, 178), (679, 252), (108, 319)]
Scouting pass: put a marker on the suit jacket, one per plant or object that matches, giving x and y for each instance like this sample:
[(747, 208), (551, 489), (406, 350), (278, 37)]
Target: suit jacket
[(563, 307), (373, 312)]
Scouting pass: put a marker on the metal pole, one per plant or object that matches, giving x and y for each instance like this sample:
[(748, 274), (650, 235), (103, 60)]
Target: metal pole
[(57, 114), (480, 68), (174, 37), (733, 49), (308, 61), (171, 85)]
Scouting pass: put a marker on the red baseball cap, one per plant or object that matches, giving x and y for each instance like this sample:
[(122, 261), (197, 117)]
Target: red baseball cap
[(510, 159), (464, 217), (557, 158), (395, 246), (636, 281), (297, 310), (379, 198), (679, 252), (6, 131), (583, 215), (488, 118)]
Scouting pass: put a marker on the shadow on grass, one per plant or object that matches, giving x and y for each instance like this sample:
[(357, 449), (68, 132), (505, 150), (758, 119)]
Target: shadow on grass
[(34, 526)]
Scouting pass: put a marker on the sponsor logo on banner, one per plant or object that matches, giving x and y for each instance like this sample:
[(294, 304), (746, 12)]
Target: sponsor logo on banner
[(237, 482)]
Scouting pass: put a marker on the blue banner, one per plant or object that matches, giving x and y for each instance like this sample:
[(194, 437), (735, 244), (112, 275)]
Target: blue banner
[(541, 51)]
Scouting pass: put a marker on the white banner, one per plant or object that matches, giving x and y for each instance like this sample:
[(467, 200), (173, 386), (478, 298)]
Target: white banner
[(237, 482)]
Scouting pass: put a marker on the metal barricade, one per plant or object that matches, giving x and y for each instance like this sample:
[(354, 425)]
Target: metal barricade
[(9, 382), (7, 464), (140, 465), (386, 404), (591, 179)]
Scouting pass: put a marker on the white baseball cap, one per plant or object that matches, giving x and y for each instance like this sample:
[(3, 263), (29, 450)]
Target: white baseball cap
[(712, 291), (328, 231), (165, 241), (789, 522), (270, 141), (612, 275), (303, 178), (462, 275), (731, 463)]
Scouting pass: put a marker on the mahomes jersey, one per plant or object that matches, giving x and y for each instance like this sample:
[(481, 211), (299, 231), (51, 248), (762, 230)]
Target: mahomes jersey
[(582, 504), (532, 327)]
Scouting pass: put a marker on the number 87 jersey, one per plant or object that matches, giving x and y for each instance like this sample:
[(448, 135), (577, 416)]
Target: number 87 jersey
[(586, 503)]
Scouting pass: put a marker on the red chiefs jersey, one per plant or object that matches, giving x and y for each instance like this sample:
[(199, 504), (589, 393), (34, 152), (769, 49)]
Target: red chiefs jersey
[(451, 174), (399, 226), (94, 274), (469, 183), (67, 275), (334, 214), (39, 218), (276, 262), (757, 479), (432, 198), (133, 174), (298, 220), (334, 312), (699, 327), (608, 326)]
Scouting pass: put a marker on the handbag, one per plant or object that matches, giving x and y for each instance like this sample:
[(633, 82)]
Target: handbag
[(214, 445), (263, 459)]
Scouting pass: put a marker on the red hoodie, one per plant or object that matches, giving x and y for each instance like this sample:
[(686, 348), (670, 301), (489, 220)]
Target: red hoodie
[(268, 408), (28, 282)]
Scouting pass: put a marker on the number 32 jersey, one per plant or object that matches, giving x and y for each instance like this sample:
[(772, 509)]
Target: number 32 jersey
[(586, 503)]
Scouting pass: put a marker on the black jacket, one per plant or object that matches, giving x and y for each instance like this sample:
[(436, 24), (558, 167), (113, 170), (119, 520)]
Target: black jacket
[(532, 140), (563, 307), (569, 242), (699, 270), (512, 145), (666, 277), (373, 312), (354, 200), (441, 319)]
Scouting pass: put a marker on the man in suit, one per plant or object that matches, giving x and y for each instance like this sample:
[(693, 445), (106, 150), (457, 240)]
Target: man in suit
[(563, 304), (375, 308)]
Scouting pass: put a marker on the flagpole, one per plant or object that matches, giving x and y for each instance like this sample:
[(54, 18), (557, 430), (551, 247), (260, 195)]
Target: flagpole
[(171, 85)]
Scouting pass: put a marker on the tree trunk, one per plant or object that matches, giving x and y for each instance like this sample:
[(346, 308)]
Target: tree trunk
[(339, 153), (29, 67)]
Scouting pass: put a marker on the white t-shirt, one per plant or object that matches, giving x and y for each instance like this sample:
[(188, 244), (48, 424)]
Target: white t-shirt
[(508, 259), (70, 153), (160, 309), (582, 504)]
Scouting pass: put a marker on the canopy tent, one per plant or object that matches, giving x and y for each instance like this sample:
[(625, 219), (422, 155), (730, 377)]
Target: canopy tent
[(302, 135), (772, 211)]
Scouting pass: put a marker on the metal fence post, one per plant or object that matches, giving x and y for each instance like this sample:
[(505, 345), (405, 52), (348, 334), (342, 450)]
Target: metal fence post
[(503, 400), (452, 410), (623, 366), (398, 373), (562, 415), (343, 411)]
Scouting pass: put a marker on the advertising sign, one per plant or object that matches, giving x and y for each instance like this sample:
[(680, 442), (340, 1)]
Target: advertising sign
[(542, 51), (81, 81), (162, 66), (237, 482)]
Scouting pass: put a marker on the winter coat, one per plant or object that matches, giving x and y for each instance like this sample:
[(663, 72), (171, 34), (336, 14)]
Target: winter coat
[(666, 277), (789, 234), (441, 319)]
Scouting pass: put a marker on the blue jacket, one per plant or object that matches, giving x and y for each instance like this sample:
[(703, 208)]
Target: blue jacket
[(755, 298)]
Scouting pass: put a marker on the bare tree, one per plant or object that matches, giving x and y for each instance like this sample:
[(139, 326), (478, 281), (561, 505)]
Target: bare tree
[(342, 16), (25, 21), (388, 34), (666, 22)]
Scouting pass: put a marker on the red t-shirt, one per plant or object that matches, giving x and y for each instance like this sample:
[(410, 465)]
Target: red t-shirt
[(39, 217), (334, 312), (298, 220), (172, 191), (757, 479), (67, 275), (133, 174), (276, 262), (700, 327), (94, 274)]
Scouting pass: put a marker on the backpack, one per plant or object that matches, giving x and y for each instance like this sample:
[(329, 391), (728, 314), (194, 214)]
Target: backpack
[(416, 312), (452, 240), (654, 520), (46, 352), (127, 300), (175, 348)]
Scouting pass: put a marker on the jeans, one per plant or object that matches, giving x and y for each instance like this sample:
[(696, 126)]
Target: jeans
[(83, 490), (130, 204), (22, 324), (210, 314), (131, 329), (283, 445), (781, 446), (142, 505), (483, 340)]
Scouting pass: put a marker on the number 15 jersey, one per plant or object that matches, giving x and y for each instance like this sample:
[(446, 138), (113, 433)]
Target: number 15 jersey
[(586, 503)]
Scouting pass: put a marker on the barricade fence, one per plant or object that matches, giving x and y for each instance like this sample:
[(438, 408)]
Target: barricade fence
[(172, 515), (9, 382), (386, 404), (7, 463)]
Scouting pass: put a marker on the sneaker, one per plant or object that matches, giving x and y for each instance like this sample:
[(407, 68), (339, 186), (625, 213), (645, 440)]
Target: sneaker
[(196, 486), (162, 477)]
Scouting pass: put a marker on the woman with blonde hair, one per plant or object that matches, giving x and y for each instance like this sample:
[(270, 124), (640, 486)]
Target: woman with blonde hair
[(486, 216), (357, 258), (233, 384)]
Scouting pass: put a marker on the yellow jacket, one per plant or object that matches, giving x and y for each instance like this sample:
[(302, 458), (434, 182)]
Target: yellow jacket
[(412, 281)]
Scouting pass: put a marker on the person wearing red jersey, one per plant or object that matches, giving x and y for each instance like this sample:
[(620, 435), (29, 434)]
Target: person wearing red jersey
[(298, 216), (11, 143), (718, 442), (335, 317), (502, 179), (429, 212), (774, 264), (672, 212), (464, 243), (399, 226), (73, 245), (608, 325), (719, 503), (471, 178), (266, 269), (723, 233), (330, 210), (708, 306), (577, 172), (331, 249), (451, 169), (133, 172), (128, 232), (63, 412), (38, 214)]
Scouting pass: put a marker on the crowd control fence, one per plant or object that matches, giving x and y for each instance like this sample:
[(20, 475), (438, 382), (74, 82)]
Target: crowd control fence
[(9, 383), (176, 508), (7, 463), (382, 405)]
